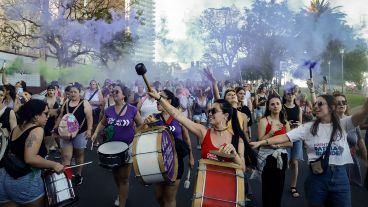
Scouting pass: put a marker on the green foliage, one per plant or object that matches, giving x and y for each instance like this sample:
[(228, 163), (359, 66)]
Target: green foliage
[(15, 66)]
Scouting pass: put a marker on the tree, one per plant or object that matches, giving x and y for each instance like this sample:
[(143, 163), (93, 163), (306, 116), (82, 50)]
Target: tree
[(67, 29), (221, 32), (267, 36)]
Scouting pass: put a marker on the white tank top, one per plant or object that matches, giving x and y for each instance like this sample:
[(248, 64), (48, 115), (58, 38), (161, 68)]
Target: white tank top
[(148, 107)]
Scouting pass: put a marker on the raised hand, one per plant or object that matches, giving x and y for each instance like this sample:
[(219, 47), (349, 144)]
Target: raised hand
[(209, 74)]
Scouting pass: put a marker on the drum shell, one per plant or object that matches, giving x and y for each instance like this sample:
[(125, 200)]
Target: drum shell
[(148, 158), (219, 184), (113, 160), (59, 189)]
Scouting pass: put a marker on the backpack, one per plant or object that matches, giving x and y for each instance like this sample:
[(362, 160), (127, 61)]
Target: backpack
[(69, 125)]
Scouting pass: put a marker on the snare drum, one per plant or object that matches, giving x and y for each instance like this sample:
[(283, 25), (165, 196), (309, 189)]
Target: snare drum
[(154, 156), (59, 189), (219, 184), (113, 154)]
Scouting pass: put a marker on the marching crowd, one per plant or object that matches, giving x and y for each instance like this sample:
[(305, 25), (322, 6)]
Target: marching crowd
[(218, 113)]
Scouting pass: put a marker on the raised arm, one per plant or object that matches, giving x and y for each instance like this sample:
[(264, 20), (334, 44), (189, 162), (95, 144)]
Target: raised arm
[(197, 129), (211, 77), (360, 117), (312, 91)]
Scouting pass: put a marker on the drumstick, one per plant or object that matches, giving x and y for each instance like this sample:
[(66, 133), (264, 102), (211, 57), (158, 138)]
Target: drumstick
[(187, 181), (70, 167), (141, 70)]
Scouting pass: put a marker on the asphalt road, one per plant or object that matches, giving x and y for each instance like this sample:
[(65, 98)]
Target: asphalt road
[(99, 190)]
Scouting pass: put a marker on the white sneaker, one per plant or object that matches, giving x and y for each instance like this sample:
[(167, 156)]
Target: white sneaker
[(117, 203)]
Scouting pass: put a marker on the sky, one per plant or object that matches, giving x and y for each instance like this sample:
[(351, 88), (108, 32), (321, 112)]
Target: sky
[(178, 12)]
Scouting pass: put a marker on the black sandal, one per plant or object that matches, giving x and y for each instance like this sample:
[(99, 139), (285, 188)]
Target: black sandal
[(294, 192)]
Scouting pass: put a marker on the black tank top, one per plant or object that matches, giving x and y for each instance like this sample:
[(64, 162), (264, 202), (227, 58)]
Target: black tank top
[(262, 98), (292, 113), (79, 114), (4, 119), (17, 146)]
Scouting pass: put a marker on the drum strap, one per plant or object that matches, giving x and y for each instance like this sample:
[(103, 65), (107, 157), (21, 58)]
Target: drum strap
[(168, 121)]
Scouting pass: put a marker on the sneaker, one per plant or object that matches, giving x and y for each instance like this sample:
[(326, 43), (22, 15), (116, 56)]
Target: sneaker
[(78, 180), (117, 203)]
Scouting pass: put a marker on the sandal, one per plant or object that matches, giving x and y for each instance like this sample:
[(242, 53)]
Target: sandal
[(294, 192)]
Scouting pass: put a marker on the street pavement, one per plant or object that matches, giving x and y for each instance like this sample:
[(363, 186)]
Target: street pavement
[(99, 190)]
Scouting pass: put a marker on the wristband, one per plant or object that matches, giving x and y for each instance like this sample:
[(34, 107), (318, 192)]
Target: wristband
[(159, 99)]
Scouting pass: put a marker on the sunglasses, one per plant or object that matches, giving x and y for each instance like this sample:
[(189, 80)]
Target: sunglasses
[(115, 92), (290, 94), (342, 103), (213, 111), (319, 104)]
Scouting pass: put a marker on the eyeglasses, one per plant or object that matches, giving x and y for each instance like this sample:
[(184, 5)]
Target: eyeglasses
[(319, 104), (342, 103), (115, 92), (290, 94), (213, 111)]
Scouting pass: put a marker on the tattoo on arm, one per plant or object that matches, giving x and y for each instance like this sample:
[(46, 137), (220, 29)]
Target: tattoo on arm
[(29, 142)]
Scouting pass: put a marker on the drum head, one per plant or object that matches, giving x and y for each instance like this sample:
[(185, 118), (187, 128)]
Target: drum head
[(113, 147)]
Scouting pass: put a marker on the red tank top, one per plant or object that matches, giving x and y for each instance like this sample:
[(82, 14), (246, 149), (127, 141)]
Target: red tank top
[(207, 146), (279, 132)]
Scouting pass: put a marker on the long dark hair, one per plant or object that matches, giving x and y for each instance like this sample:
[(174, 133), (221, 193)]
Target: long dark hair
[(29, 110), (250, 156), (336, 127), (174, 100), (282, 116)]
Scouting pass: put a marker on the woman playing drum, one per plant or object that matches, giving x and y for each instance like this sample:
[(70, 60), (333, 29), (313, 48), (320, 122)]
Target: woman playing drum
[(28, 145), (123, 130), (166, 193), (215, 138)]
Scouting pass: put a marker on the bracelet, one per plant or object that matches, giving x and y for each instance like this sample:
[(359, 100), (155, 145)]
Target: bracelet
[(266, 141), (159, 99)]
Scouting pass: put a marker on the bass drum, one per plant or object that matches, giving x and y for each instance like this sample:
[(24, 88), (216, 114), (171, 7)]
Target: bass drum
[(154, 156)]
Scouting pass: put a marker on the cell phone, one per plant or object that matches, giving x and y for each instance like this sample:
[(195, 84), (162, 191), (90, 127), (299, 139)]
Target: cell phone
[(20, 90)]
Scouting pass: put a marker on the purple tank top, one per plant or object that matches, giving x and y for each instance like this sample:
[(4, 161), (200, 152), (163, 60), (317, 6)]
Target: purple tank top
[(174, 127), (124, 125)]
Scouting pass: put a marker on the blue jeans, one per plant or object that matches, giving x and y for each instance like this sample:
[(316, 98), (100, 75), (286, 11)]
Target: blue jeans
[(329, 189)]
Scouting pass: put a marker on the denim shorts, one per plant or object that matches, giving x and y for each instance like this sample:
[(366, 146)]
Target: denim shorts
[(23, 190), (78, 142), (329, 189), (296, 152)]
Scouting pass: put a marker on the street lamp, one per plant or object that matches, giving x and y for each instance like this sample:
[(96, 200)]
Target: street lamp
[(342, 69), (329, 75)]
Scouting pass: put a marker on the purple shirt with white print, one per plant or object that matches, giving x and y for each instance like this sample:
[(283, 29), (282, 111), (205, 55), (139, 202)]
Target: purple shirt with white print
[(124, 125)]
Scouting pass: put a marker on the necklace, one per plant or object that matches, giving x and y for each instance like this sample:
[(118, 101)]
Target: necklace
[(220, 130)]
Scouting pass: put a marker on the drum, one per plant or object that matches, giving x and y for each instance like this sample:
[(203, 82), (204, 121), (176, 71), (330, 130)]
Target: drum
[(154, 156), (113, 154), (59, 189), (3, 145), (219, 184)]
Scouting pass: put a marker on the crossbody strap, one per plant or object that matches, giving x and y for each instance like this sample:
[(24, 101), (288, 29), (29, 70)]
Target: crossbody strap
[(122, 109), (90, 98)]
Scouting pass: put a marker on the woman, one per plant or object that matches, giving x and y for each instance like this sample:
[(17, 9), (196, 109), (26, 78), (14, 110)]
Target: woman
[(115, 115), (8, 119), (166, 193), (94, 96), (240, 93), (260, 100), (306, 108), (53, 103), (239, 121), (200, 107), (27, 144), (295, 153), (273, 160), (147, 106), (215, 138), (76, 145), (321, 189), (10, 96), (355, 141)]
